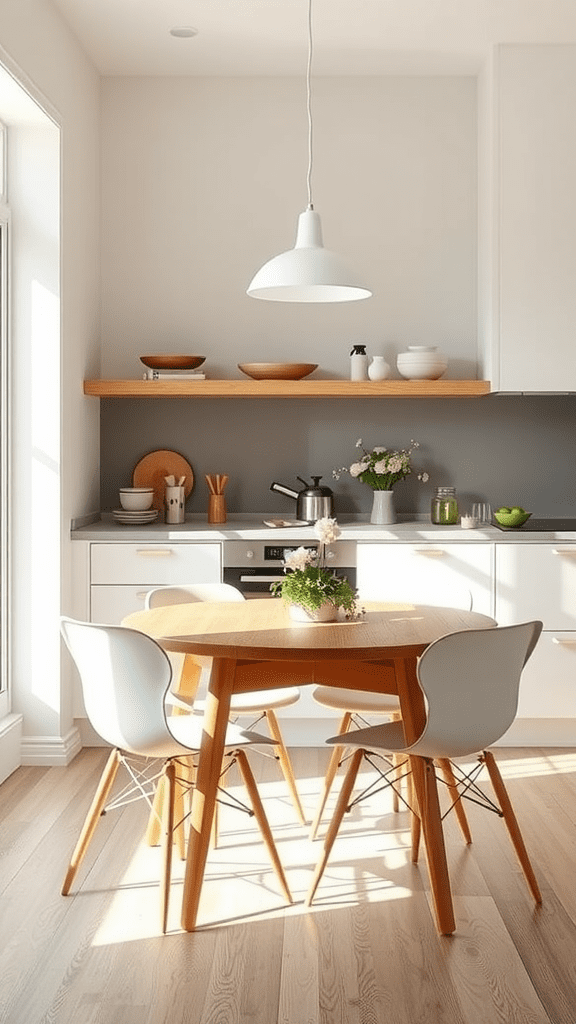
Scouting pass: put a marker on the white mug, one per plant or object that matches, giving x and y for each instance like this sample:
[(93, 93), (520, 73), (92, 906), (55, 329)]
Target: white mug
[(175, 504)]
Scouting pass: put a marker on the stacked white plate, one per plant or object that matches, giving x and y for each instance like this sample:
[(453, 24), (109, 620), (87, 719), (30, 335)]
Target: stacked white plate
[(121, 515)]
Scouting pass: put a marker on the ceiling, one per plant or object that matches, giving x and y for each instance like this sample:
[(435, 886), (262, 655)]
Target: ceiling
[(269, 37)]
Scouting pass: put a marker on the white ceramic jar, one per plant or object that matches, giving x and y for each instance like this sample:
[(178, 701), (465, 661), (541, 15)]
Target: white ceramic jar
[(378, 368), (422, 362)]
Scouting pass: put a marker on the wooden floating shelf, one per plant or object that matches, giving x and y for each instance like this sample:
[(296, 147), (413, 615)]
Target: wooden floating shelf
[(286, 388)]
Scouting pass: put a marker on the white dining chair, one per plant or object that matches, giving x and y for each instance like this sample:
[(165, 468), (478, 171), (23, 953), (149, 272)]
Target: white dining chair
[(262, 703), (355, 705), (125, 677), (470, 682)]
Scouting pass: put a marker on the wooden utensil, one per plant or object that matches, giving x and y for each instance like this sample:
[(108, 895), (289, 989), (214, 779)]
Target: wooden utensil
[(216, 501)]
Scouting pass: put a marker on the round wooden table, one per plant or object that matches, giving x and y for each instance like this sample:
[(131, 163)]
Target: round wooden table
[(255, 645)]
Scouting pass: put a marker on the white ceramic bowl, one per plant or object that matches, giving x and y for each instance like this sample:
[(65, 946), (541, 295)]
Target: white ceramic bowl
[(422, 362), (136, 499)]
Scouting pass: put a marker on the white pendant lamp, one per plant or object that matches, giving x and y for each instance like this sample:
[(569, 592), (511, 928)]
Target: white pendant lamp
[(308, 272)]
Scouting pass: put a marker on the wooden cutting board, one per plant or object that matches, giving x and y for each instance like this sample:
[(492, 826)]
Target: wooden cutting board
[(152, 469)]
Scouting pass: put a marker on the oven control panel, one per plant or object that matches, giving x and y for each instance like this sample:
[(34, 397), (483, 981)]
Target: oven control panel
[(277, 553), (252, 566), (244, 552)]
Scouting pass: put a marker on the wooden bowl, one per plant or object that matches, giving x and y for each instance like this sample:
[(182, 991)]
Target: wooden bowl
[(277, 371), (172, 362)]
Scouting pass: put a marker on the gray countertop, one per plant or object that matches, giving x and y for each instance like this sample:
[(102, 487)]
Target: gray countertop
[(251, 527)]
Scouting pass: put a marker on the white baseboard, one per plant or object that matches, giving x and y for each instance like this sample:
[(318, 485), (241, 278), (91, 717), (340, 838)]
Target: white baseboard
[(51, 750), (10, 744)]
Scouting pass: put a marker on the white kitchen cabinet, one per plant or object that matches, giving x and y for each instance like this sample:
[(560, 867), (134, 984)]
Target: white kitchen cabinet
[(121, 574), (527, 257), (538, 581), (434, 573), (110, 604), (112, 580), (548, 687), (155, 563)]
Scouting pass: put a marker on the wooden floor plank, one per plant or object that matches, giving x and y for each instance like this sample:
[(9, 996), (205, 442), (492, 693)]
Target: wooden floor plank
[(481, 960), (366, 952)]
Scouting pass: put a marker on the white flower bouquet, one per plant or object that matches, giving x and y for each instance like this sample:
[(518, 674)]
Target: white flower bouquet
[(309, 582), (380, 468)]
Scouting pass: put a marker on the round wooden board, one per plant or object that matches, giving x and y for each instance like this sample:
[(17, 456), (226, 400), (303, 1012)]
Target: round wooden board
[(152, 469)]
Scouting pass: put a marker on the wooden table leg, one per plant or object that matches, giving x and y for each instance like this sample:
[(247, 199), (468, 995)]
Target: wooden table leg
[(424, 776), (207, 775)]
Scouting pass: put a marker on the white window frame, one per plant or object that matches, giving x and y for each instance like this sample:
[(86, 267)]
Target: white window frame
[(3, 163), (4, 459)]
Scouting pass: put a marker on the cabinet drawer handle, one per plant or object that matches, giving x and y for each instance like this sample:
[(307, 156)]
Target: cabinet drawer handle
[(155, 552), (565, 643), (430, 552), (565, 551)]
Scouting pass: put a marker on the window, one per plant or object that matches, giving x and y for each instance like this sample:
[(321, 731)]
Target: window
[(4, 447)]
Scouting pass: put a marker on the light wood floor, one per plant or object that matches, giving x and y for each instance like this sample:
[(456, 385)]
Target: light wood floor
[(367, 952)]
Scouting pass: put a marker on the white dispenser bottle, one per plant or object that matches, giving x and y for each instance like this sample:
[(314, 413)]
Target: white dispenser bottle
[(358, 363)]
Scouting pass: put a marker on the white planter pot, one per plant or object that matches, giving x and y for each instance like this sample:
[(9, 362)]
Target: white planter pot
[(327, 612)]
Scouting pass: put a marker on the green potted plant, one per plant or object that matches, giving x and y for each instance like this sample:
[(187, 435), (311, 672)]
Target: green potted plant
[(313, 591)]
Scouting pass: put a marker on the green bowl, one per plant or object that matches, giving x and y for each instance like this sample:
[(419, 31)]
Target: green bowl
[(512, 518)]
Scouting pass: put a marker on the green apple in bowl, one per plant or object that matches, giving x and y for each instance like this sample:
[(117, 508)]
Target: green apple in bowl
[(512, 515)]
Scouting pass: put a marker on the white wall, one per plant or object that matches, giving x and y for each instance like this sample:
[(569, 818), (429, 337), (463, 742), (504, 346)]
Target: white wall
[(203, 180), (42, 55)]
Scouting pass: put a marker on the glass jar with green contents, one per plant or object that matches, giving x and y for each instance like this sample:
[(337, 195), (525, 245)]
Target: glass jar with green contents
[(444, 509)]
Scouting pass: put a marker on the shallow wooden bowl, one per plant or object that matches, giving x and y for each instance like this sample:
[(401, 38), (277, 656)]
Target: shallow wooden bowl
[(172, 362), (277, 371)]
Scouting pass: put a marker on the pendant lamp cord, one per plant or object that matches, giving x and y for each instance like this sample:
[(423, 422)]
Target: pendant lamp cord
[(309, 106)]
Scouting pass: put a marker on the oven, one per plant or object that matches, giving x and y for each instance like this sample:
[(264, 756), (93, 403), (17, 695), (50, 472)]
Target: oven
[(251, 566)]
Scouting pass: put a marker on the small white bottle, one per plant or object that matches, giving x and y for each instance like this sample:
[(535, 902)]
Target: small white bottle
[(358, 363)]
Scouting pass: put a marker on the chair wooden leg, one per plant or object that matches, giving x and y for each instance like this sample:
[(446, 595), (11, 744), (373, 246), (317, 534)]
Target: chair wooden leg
[(341, 807), (330, 775), (415, 823), (397, 761), (154, 829), (92, 818), (260, 815), (180, 793), (285, 762), (169, 776), (511, 823), (446, 769)]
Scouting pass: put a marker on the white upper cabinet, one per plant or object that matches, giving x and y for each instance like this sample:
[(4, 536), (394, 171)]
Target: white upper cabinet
[(527, 218)]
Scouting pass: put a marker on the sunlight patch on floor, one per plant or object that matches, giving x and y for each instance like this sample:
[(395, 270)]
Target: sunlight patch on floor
[(370, 861), (372, 848)]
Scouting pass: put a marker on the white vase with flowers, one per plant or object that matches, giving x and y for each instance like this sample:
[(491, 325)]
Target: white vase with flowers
[(381, 469)]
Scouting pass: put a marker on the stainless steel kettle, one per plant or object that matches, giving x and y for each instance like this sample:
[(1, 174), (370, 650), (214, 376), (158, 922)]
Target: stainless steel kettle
[(312, 503)]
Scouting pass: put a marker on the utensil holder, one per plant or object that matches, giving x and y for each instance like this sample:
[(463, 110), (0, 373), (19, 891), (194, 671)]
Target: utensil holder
[(174, 504), (216, 508)]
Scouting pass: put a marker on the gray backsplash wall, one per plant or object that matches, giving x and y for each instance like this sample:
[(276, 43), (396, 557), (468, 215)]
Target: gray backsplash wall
[(502, 449)]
